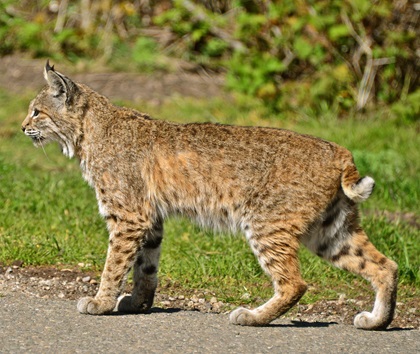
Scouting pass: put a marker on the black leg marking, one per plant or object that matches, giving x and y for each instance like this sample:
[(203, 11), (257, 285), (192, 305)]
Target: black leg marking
[(139, 261), (322, 248), (332, 212), (343, 252), (153, 242), (149, 270)]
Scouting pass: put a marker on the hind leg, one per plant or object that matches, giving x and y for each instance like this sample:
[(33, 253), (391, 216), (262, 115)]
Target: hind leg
[(144, 274), (277, 254), (358, 255)]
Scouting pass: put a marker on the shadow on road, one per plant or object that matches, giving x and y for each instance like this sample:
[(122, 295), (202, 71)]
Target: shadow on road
[(303, 324), (399, 329), (151, 311)]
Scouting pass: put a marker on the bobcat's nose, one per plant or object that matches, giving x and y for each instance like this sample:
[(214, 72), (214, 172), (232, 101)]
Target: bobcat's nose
[(25, 125)]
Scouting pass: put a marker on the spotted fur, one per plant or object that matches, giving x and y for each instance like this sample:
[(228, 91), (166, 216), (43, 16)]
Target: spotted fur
[(277, 187)]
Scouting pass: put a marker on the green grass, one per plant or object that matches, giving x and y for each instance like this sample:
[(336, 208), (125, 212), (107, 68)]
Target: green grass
[(48, 215)]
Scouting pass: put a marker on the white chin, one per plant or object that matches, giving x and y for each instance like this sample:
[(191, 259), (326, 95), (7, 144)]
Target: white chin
[(67, 151)]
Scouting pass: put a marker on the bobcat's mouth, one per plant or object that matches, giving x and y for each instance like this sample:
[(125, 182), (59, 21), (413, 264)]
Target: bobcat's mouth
[(35, 135)]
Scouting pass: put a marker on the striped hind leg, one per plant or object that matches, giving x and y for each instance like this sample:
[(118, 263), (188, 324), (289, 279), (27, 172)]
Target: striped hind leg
[(144, 273), (277, 254), (358, 255), (339, 239)]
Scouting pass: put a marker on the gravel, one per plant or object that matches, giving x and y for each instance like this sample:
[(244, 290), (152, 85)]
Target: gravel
[(71, 284), (32, 325)]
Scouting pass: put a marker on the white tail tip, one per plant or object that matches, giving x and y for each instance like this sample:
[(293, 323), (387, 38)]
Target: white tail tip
[(362, 190)]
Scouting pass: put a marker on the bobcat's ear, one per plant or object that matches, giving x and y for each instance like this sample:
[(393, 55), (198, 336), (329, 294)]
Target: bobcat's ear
[(61, 86)]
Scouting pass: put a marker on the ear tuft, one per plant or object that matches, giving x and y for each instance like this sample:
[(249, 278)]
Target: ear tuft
[(48, 67), (61, 87)]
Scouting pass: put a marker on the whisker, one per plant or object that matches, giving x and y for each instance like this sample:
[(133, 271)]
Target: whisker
[(42, 147)]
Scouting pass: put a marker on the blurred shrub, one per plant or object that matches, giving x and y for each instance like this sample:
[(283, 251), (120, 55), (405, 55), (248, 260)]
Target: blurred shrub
[(408, 108), (293, 54), (310, 55)]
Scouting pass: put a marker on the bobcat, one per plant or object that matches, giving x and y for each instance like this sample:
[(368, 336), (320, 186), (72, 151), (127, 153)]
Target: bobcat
[(278, 187)]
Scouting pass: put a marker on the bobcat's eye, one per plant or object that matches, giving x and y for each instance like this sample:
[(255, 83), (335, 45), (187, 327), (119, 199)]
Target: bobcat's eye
[(35, 113)]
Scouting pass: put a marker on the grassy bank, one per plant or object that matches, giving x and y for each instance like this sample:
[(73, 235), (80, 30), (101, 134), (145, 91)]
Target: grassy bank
[(48, 215)]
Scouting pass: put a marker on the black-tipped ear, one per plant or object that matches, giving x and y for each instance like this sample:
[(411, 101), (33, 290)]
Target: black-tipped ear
[(48, 67), (49, 73), (61, 86)]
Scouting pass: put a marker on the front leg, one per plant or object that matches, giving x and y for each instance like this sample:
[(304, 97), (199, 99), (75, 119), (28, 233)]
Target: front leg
[(145, 271), (126, 235)]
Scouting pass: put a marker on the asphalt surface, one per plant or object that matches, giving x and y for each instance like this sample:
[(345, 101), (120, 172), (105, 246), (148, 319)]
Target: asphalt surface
[(33, 325)]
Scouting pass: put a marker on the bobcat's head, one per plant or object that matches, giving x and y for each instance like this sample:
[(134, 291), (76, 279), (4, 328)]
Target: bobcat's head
[(56, 113)]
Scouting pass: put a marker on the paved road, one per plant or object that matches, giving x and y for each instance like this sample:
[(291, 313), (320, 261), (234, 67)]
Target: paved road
[(33, 325)]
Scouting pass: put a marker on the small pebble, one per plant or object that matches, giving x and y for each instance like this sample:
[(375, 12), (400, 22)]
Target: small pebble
[(17, 264), (342, 299), (45, 282)]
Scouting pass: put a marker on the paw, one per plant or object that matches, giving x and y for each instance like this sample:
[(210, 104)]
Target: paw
[(243, 317), (366, 320), (127, 305), (91, 306)]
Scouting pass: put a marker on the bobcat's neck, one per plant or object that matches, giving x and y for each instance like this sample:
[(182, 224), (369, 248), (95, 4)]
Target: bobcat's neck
[(110, 135), (93, 116)]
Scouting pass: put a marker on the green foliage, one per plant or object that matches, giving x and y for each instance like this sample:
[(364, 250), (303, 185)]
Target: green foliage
[(305, 55), (144, 54), (327, 45), (254, 79), (195, 26), (293, 55), (409, 107)]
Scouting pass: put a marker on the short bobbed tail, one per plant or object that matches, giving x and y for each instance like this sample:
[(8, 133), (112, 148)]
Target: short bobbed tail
[(361, 190), (354, 186)]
